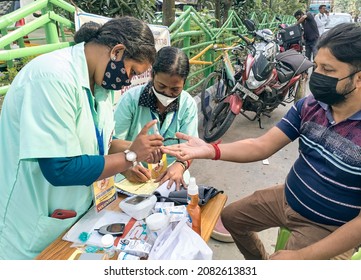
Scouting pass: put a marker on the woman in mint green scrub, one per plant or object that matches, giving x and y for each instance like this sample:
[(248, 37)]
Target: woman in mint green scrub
[(56, 129), (163, 99)]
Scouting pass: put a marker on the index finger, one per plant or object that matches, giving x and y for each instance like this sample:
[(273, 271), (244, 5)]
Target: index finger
[(145, 128), (183, 136)]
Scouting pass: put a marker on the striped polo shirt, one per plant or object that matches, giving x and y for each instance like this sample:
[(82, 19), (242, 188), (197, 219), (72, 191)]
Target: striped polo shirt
[(324, 184)]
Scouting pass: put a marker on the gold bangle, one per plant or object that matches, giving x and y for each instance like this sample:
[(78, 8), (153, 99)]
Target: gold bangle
[(182, 163)]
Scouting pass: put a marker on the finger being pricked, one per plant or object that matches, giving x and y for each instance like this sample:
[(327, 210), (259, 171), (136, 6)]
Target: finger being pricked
[(177, 150)]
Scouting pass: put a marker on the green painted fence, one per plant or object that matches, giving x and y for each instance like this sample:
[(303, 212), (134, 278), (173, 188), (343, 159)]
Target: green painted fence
[(194, 32), (53, 24), (196, 37)]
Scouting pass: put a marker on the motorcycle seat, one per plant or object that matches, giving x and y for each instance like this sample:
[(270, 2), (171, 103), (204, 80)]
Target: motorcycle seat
[(284, 72), (295, 60)]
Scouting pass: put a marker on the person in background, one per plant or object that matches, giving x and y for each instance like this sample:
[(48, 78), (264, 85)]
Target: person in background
[(163, 99), (56, 127), (322, 19), (310, 32), (320, 201)]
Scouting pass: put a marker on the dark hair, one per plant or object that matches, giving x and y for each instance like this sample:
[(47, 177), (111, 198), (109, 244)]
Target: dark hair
[(344, 42), (133, 33), (321, 6), (298, 13), (172, 61)]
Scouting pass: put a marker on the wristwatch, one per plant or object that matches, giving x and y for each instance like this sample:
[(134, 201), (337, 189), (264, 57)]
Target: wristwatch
[(131, 156)]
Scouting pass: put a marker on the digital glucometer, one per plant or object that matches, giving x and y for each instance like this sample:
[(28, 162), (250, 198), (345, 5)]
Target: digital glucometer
[(113, 229), (138, 206)]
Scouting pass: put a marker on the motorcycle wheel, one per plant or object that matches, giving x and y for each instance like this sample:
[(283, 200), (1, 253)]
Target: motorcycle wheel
[(219, 122), (213, 90)]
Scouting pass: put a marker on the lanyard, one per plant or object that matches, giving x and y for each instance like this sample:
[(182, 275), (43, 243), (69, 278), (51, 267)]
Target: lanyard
[(100, 140), (99, 134), (155, 118)]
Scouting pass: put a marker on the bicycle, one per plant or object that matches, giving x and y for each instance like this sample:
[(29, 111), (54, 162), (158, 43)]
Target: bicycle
[(220, 82)]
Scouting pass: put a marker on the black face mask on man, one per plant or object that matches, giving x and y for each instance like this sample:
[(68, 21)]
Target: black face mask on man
[(324, 89), (115, 76)]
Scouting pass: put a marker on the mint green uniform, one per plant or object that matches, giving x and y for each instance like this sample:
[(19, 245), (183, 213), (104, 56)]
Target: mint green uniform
[(130, 118), (48, 112)]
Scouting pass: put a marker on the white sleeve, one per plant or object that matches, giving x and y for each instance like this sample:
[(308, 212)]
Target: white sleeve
[(318, 21)]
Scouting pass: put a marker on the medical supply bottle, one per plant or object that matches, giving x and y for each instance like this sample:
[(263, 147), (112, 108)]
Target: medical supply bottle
[(193, 208), (108, 245)]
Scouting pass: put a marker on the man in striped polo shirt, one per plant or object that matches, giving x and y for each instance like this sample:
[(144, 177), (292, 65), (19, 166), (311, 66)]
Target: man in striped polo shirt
[(320, 200)]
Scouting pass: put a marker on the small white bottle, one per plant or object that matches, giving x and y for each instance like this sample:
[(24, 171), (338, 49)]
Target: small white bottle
[(108, 245)]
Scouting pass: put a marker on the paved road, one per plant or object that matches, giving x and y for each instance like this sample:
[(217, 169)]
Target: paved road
[(239, 180)]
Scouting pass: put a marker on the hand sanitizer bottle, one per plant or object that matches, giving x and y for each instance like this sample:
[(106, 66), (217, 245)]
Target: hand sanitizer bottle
[(193, 208)]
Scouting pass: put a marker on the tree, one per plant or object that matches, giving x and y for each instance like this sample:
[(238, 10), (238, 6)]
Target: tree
[(142, 9), (347, 6), (168, 10), (276, 7)]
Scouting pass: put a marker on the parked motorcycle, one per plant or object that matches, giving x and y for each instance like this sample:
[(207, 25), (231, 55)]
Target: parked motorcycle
[(269, 79), (289, 37)]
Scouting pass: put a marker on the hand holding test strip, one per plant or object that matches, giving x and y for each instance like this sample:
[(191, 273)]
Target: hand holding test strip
[(161, 166)]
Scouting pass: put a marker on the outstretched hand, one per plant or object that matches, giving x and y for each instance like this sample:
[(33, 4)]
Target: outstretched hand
[(192, 149)]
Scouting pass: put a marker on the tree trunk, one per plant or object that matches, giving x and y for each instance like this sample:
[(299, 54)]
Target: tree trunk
[(168, 9), (217, 12), (227, 5)]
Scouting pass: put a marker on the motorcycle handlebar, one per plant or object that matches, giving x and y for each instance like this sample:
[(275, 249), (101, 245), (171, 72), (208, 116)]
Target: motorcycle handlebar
[(248, 42), (234, 48)]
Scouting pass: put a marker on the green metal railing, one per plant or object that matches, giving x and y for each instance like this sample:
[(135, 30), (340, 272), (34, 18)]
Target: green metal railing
[(190, 31), (52, 23), (196, 37)]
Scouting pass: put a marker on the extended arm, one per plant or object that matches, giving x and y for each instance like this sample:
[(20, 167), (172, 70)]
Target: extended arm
[(248, 150), (254, 149)]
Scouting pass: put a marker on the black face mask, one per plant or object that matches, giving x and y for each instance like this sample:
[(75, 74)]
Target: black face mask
[(323, 88), (115, 76)]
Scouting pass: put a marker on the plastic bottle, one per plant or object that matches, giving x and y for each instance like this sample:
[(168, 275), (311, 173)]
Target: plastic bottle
[(193, 208), (126, 256), (108, 245), (156, 223)]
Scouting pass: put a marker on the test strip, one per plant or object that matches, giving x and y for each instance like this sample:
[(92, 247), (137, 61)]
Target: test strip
[(155, 129)]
